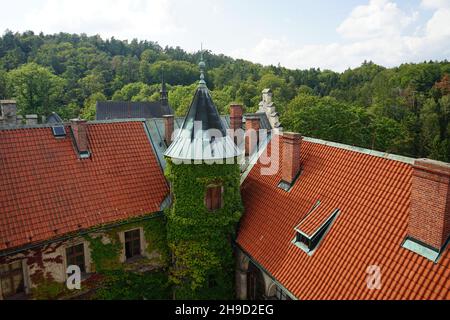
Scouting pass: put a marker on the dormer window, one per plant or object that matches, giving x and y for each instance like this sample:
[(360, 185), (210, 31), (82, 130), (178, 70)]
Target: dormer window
[(213, 197), (313, 228)]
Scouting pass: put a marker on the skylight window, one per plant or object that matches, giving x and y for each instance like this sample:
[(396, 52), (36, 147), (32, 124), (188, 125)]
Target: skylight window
[(313, 228), (59, 131)]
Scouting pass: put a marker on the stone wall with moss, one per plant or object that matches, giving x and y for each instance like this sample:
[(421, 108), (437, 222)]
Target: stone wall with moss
[(45, 266)]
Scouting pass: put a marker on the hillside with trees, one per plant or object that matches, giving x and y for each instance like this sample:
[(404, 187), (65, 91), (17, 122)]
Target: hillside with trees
[(403, 110)]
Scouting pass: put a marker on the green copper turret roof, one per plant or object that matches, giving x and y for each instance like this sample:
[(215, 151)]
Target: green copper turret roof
[(202, 135)]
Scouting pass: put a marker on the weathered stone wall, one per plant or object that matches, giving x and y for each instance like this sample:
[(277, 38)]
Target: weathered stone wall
[(48, 263)]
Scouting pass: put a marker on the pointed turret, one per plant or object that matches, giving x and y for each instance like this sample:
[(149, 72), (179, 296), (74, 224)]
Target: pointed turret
[(164, 96), (202, 135)]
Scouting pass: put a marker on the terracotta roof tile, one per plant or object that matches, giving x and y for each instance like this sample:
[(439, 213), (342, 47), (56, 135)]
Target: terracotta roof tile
[(372, 194), (315, 219), (45, 188)]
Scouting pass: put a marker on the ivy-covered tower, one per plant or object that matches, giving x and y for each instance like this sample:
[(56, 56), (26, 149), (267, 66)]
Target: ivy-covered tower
[(204, 174)]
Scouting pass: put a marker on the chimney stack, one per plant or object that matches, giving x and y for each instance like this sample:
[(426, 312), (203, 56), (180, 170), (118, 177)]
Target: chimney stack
[(79, 130), (31, 119), (8, 111), (252, 126), (291, 156), (429, 220), (168, 128), (236, 113)]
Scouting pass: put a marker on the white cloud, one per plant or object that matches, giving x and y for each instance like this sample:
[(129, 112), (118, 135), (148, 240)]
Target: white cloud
[(439, 25), (379, 31), (435, 4), (125, 19), (379, 18)]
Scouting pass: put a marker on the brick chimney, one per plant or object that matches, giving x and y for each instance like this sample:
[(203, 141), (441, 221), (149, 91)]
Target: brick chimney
[(168, 128), (291, 156), (8, 111), (429, 220), (79, 130), (236, 113), (252, 126)]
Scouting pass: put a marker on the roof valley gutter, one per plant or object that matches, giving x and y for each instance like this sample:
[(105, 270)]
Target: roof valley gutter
[(80, 233), (149, 137), (261, 268), (254, 159)]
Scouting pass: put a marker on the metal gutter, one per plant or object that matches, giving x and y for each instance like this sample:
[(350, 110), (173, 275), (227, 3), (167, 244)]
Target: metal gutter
[(255, 157), (371, 152), (149, 137)]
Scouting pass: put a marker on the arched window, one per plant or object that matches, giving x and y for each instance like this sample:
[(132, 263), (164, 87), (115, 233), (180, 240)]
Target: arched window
[(213, 197)]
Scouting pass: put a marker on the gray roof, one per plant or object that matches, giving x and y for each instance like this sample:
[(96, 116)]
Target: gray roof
[(264, 121), (202, 136), (54, 118), (157, 131), (204, 111), (112, 110)]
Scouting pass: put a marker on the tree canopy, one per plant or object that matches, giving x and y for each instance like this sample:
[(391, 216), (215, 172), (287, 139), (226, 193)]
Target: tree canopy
[(403, 110)]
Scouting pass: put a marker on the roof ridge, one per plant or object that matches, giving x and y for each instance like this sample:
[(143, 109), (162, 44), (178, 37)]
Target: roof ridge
[(65, 123), (371, 152)]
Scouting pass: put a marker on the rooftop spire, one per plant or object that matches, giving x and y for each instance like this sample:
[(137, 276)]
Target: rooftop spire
[(202, 66), (164, 97)]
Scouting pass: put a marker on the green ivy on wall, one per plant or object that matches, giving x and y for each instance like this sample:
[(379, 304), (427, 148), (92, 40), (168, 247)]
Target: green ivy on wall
[(120, 281), (106, 256), (200, 240)]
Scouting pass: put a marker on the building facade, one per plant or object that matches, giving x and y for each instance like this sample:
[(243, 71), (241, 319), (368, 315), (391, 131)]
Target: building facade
[(318, 220)]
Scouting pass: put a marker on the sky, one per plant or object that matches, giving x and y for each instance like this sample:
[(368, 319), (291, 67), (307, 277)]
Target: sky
[(326, 34)]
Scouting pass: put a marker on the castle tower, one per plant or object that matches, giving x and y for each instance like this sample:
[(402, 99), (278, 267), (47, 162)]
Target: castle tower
[(204, 175)]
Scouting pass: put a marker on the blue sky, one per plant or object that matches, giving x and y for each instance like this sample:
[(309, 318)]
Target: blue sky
[(297, 34)]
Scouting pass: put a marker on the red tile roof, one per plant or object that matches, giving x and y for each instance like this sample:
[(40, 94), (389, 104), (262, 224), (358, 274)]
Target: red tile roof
[(311, 223), (373, 195), (46, 191)]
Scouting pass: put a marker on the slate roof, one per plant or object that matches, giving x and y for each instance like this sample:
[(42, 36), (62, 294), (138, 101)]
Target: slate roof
[(373, 196), (203, 110), (263, 121), (54, 118), (157, 130), (111, 110), (46, 191), (208, 141)]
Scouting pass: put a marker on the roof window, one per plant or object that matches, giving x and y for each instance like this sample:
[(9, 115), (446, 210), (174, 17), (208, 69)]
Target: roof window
[(313, 228), (59, 131)]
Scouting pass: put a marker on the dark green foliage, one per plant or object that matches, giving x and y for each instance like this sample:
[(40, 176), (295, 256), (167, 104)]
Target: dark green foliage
[(75, 70), (122, 285), (48, 290), (329, 119), (200, 240)]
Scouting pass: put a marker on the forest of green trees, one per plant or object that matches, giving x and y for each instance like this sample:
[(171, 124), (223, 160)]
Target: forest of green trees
[(403, 110)]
